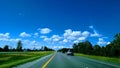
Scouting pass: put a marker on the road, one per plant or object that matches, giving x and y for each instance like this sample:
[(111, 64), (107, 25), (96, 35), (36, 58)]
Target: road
[(60, 60)]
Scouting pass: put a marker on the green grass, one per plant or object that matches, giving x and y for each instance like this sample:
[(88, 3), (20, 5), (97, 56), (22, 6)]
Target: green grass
[(101, 58), (10, 59)]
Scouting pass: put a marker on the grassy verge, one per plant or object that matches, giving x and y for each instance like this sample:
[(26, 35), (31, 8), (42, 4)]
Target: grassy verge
[(11, 59), (101, 58)]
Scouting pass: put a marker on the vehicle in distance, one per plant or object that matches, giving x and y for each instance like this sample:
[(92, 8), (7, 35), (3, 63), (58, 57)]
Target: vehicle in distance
[(70, 52)]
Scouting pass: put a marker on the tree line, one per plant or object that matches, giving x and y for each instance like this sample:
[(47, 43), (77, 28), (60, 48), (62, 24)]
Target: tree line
[(19, 48), (110, 50)]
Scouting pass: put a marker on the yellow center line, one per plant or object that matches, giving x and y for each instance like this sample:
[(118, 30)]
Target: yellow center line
[(44, 66)]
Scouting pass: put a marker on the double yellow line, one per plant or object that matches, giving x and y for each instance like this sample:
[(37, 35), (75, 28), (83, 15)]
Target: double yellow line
[(44, 66)]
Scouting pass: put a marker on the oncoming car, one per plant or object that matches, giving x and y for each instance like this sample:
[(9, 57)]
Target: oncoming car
[(70, 52)]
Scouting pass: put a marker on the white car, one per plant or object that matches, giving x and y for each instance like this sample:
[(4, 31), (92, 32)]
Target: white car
[(70, 52)]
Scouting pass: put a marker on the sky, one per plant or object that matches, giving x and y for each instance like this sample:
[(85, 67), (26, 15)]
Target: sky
[(58, 23)]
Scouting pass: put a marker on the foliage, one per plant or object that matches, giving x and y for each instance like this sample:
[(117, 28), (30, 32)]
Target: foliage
[(10, 59), (113, 60), (63, 50), (83, 47), (111, 50), (6, 48), (19, 46), (47, 49)]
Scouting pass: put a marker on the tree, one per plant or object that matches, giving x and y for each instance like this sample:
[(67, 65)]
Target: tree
[(96, 50), (47, 49), (63, 50), (1, 49), (75, 48), (19, 46), (116, 45), (6, 48)]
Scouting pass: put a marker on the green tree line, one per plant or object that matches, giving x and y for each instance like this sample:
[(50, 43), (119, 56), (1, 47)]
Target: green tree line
[(110, 50), (19, 48)]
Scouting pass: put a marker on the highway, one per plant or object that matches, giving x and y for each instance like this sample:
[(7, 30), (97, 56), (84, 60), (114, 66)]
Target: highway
[(60, 60)]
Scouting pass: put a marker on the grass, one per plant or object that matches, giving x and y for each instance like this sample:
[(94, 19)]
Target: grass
[(101, 58), (10, 59)]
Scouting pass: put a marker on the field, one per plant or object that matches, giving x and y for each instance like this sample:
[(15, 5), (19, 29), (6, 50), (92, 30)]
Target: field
[(101, 58), (10, 59)]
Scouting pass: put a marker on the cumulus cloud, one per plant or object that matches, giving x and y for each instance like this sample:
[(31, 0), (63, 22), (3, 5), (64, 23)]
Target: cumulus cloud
[(57, 47), (76, 41), (71, 35), (45, 38), (32, 44), (8, 41), (24, 34), (85, 34), (14, 40), (36, 35), (81, 38), (95, 34), (91, 27), (54, 38), (6, 35), (65, 41), (75, 36), (101, 41), (108, 43), (44, 30)]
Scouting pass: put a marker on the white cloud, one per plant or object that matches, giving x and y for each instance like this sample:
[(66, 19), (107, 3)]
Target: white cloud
[(31, 44), (44, 30), (75, 36), (6, 35), (57, 47), (81, 38), (91, 27), (47, 39), (14, 40), (9, 41), (101, 41), (108, 43), (85, 34), (24, 34), (55, 38), (36, 35), (65, 41), (43, 36), (95, 34), (71, 35), (76, 41)]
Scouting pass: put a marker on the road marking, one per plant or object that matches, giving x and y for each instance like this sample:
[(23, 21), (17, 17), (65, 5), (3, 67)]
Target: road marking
[(44, 66)]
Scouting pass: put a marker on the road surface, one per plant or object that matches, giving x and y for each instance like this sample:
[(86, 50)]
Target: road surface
[(60, 60)]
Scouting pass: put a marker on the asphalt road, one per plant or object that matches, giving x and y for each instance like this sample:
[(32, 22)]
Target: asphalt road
[(60, 60)]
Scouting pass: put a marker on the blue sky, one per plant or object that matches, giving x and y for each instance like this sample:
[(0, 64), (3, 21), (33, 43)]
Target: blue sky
[(58, 23)]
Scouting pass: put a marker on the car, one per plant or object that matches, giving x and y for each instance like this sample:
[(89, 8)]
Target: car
[(70, 52)]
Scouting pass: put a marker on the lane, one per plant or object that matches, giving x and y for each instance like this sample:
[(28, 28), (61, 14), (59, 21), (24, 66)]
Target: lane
[(64, 61), (60, 60), (41, 62), (35, 64)]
